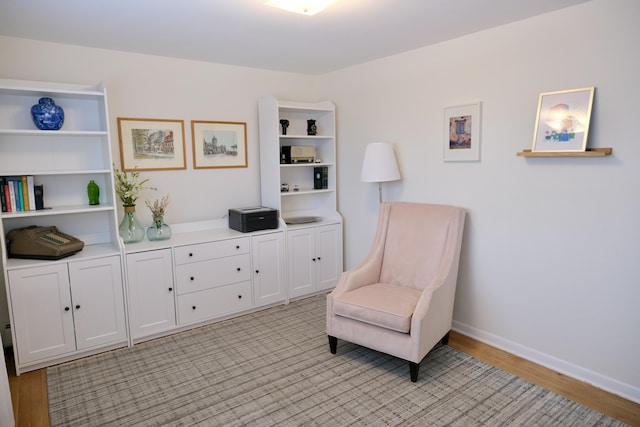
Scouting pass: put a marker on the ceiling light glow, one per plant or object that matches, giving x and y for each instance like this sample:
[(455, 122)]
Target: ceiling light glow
[(305, 7)]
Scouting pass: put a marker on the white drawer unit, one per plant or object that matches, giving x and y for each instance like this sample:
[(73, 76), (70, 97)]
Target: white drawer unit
[(213, 279), (214, 302)]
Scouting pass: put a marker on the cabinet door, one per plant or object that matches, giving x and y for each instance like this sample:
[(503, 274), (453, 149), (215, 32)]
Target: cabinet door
[(268, 268), (98, 302), (328, 256), (151, 292), (42, 316), (301, 257)]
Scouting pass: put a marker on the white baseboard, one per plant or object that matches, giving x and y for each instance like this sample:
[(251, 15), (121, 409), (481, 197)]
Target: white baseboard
[(597, 380)]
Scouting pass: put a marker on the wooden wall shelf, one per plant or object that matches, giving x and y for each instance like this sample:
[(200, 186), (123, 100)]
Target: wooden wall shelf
[(590, 152)]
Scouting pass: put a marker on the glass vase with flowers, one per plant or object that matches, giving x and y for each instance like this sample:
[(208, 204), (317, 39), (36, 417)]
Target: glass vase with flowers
[(158, 230), (128, 188)]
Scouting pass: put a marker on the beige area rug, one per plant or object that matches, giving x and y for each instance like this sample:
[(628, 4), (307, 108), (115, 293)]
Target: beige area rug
[(273, 368)]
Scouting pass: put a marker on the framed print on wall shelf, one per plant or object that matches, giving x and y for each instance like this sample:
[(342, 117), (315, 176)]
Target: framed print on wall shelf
[(562, 120), (151, 144), (462, 132), (219, 144)]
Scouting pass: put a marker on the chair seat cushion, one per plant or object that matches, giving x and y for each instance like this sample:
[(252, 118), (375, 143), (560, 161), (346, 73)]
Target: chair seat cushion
[(380, 304)]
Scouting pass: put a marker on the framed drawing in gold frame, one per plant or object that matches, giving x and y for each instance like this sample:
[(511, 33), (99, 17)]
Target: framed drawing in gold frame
[(151, 144), (562, 121), (219, 144)]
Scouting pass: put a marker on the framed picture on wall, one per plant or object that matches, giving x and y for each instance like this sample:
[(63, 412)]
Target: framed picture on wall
[(562, 121), (219, 144), (462, 132), (151, 144)]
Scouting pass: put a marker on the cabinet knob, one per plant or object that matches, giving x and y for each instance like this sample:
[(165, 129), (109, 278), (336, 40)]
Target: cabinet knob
[(170, 289), (238, 268), (192, 278), (237, 246), (257, 271), (67, 309), (193, 307), (313, 259), (239, 296), (77, 306), (190, 254), (318, 258)]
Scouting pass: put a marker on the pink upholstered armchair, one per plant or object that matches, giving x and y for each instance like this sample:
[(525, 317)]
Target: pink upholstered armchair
[(400, 299)]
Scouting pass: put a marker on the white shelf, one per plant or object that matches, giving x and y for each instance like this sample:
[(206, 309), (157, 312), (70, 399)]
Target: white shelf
[(313, 202), (52, 133)]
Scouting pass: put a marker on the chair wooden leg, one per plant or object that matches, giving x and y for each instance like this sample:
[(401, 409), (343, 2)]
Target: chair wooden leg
[(445, 339), (413, 371), (333, 344)]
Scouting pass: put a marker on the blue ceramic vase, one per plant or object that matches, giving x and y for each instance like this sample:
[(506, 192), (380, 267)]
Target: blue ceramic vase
[(47, 115)]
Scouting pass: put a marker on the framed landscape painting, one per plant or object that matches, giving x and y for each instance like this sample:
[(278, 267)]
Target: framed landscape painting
[(562, 121), (219, 144), (151, 144)]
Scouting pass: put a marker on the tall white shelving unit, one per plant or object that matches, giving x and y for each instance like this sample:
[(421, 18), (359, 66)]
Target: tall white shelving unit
[(314, 249), (86, 312)]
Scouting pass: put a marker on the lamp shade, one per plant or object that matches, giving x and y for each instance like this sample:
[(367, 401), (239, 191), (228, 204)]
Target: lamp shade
[(380, 163)]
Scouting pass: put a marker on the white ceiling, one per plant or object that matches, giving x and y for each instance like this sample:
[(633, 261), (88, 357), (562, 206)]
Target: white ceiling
[(248, 33)]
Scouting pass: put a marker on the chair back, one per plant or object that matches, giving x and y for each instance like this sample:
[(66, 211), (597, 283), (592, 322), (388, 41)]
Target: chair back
[(419, 237)]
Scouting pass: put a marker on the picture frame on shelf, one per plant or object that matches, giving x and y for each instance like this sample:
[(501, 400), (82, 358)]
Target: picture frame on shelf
[(462, 132), (151, 144), (562, 120), (219, 144)]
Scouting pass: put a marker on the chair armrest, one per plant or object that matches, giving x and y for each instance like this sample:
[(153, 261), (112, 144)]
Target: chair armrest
[(366, 273)]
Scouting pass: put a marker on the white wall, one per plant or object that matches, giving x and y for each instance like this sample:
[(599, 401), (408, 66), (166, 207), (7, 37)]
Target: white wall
[(549, 266)]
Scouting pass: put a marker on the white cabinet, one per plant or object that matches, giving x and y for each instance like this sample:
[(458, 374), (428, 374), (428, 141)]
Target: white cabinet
[(151, 293), (267, 255), (62, 162), (314, 254), (314, 259), (66, 308)]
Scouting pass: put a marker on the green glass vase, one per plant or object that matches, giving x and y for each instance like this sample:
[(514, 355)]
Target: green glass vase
[(93, 192)]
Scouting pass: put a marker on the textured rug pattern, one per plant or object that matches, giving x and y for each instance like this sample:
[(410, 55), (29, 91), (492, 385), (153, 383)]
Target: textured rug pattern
[(274, 367)]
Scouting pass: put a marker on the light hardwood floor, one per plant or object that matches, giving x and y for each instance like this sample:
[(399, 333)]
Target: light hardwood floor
[(30, 406)]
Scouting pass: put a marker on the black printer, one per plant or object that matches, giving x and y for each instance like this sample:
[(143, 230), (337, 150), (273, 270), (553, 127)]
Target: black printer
[(256, 218)]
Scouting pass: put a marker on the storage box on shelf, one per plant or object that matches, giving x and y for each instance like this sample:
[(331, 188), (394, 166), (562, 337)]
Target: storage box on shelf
[(63, 162), (314, 264)]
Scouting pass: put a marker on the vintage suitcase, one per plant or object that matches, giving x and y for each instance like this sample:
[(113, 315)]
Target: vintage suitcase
[(257, 218)]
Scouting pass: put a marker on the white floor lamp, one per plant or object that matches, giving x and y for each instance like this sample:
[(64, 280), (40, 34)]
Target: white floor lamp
[(379, 165)]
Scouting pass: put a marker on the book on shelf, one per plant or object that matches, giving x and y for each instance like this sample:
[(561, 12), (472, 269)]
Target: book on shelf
[(320, 178), (18, 193)]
